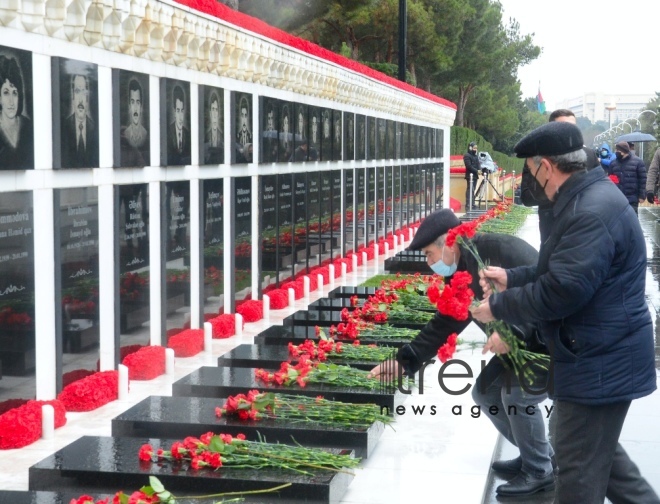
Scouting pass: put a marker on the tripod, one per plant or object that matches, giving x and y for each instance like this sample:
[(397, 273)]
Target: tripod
[(480, 193)]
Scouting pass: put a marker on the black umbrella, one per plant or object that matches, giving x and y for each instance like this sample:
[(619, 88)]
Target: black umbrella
[(636, 136)]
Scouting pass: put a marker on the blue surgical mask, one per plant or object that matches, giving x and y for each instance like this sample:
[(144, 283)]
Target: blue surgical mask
[(442, 269)]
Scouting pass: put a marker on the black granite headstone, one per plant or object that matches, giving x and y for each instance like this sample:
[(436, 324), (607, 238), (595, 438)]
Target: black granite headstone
[(77, 217), (285, 226), (300, 140), (271, 356), (313, 235), (285, 132), (17, 284), (326, 212), (104, 464), (300, 228), (329, 317), (361, 205), (213, 240), (242, 237), (211, 125), (176, 255), (371, 138), (336, 213), (326, 135), (361, 137), (269, 235), (314, 133), (349, 136), (179, 417), (131, 144), (133, 269), (268, 126), (241, 127), (350, 237), (371, 205), (337, 135), (223, 382)]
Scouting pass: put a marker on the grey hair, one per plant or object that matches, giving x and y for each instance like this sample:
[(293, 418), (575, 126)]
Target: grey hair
[(567, 163), (440, 240)]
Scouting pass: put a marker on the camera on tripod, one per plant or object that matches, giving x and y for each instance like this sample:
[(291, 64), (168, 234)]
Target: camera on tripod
[(487, 164)]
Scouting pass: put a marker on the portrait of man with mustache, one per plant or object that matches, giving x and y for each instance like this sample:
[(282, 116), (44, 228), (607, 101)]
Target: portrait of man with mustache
[(79, 134)]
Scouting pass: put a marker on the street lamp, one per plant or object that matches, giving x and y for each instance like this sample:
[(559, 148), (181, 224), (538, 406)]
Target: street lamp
[(610, 108)]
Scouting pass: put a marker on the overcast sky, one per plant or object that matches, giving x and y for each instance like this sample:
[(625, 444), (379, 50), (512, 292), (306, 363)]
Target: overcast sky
[(589, 45)]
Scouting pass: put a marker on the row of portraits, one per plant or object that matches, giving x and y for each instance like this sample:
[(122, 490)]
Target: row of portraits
[(289, 131)]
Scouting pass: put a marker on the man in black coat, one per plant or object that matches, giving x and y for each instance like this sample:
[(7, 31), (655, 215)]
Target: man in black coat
[(631, 172), (178, 134), (472, 167), (495, 386), (586, 295)]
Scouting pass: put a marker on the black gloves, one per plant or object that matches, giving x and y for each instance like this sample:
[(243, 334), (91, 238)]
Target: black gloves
[(650, 197)]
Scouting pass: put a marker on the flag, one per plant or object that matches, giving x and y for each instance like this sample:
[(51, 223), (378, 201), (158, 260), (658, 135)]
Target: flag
[(539, 101)]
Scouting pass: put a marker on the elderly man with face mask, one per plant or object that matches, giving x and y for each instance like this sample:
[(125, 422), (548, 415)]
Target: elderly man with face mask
[(532, 471), (586, 296)]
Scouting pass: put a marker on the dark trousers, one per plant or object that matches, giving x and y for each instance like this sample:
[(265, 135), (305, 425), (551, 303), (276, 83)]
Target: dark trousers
[(592, 464), (635, 206)]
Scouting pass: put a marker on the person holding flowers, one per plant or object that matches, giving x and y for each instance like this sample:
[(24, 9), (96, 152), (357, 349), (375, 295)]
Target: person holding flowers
[(496, 385), (586, 295)]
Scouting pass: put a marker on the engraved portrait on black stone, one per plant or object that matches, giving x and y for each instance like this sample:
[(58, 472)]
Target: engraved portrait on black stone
[(336, 136), (361, 137), (349, 136), (381, 138), (269, 108), (371, 138), (16, 128), (314, 136), (76, 121), (300, 137), (177, 122), (326, 136), (132, 108), (390, 146), (286, 136), (211, 124), (243, 127)]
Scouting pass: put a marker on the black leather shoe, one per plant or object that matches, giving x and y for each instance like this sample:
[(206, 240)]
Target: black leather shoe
[(514, 466), (526, 484), (510, 467)]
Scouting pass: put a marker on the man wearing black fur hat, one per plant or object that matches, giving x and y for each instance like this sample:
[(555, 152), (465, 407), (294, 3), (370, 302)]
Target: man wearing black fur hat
[(472, 167), (586, 296), (533, 470)]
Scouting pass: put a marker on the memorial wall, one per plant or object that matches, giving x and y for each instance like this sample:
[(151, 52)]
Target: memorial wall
[(158, 165)]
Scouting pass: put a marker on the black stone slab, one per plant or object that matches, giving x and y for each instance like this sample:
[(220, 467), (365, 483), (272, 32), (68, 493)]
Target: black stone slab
[(178, 417), (327, 318), (43, 497), (282, 335), (105, 464), (270, 357), (408, 261), (222, 382), (346, 291)]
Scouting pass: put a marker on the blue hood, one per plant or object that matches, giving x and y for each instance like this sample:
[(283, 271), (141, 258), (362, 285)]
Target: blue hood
[(606, 147)]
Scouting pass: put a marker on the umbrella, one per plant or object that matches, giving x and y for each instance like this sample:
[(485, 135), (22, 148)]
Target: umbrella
[(636, 136)]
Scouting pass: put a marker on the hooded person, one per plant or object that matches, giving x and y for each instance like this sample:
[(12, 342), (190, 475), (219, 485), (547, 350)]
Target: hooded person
[(606, 156), (495, 386)]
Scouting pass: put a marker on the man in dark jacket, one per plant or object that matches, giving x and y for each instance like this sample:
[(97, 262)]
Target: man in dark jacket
[(472, 167), (533, 470), (631, 172), (586, 296)]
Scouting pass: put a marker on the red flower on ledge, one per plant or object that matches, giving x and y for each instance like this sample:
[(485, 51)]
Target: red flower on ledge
[(187, 343), (224, 325), (146, 364), (21, 426), (91, 392), (251, 310)]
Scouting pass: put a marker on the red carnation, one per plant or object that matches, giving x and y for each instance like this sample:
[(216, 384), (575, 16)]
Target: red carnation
[(279, 298), (91, 392), (187, 343), (251, 310), (224, 325), (146, 364)]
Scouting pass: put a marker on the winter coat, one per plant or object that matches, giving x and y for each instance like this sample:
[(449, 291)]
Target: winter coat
[(652, 176), (497, 250), (587, 295), (472, 165), (632, 177), (605, 160)]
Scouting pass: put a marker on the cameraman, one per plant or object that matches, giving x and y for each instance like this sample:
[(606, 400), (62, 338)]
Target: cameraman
[(472, 167)]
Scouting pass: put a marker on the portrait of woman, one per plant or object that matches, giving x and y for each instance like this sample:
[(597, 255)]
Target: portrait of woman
[(16, 130)]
